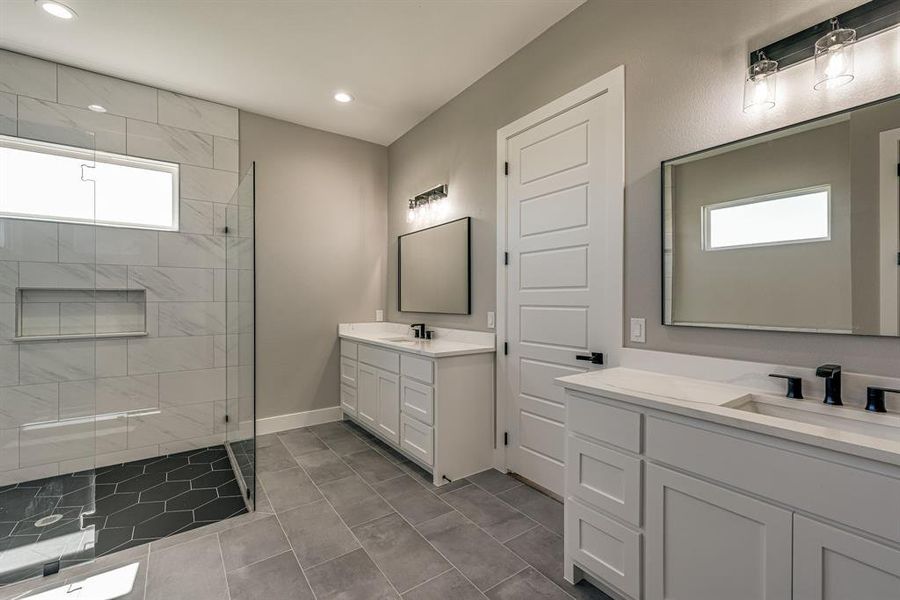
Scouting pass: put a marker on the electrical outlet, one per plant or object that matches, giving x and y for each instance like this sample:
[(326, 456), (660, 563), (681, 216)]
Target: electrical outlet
[(379, 315), (639, 331), (490, 320)]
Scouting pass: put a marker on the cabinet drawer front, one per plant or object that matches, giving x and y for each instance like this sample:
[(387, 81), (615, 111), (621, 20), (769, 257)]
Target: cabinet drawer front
[(348, 349), (383, 359), (604, 478), (348, 399), (603, 422), (606, 549), (417, 439), (417, 368), (417, 400), (849, 495), (831, 563), (348, 371)]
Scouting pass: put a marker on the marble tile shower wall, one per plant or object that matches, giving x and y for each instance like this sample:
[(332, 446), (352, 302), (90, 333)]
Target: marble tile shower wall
[(72, 404)]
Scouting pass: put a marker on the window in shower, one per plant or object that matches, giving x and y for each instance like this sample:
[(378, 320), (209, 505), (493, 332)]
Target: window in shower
[(52, 182)]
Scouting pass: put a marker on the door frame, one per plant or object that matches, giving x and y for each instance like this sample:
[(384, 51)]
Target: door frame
[(613, 85), (889, 232)]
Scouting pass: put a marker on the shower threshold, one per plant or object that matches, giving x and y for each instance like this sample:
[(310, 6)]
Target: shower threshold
[(74, 518)]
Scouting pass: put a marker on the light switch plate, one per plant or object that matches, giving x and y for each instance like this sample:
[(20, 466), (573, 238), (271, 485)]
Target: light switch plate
[(639, 330), (490, 320), (379, 315)]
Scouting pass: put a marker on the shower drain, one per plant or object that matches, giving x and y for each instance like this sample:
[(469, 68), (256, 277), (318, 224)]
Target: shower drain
[(49, 520)]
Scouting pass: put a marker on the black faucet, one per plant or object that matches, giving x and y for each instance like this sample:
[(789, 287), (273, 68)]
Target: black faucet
[(794, 385), (832, 375), (875, 398), (419, 329)]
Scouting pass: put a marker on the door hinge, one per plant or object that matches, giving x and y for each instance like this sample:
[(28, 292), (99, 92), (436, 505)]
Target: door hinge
[(226, 418), (505, 348), (506, 258), (898, 258), (506, 438), (898, 169), (506, 168)]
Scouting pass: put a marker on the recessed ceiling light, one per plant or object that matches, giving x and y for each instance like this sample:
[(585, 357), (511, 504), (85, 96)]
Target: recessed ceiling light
[(57, 9), (343, 97), (97, 108)]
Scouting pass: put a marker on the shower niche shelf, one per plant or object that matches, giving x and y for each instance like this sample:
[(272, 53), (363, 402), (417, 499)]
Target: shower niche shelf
[(46, 314)]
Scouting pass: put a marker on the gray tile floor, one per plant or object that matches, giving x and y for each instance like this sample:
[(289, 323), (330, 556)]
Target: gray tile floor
[(340, 515)]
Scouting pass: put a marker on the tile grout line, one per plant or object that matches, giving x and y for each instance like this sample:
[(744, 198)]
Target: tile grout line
[(405, 520), (427, 581), (501, 582), (293, 552), (536, 525), (222, 558), (318, 489)]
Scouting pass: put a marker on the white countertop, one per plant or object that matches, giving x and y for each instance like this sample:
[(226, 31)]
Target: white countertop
[(447, 342), (708, 401)]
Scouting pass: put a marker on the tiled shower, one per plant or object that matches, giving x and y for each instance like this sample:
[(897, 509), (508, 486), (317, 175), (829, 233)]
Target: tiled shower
[(126, 354)]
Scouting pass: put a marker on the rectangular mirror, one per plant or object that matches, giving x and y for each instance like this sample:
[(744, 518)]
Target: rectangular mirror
[(794, 230), (434, 268)]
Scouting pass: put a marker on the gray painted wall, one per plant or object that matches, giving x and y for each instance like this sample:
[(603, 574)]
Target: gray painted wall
[(320, 259), (684, 64)]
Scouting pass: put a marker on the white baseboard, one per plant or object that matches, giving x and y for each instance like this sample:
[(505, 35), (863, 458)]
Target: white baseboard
[(298, 419)]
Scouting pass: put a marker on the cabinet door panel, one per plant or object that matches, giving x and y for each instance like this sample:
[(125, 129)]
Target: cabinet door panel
[(367, 394), (708, 543), (832, 564), (389, 405)]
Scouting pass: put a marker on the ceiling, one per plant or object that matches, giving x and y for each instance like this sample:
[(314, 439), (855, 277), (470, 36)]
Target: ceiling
[(400, 59)]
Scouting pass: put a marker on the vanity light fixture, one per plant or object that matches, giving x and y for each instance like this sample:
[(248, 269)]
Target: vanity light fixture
[(829, 43), (834, 57), (428, 205), (57, 9), (759, 87), (343, 97)]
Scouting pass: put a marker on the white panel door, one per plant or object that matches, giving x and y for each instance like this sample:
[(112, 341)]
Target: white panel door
[(560, 261), (389, 405), (367, 394), (830, 563)]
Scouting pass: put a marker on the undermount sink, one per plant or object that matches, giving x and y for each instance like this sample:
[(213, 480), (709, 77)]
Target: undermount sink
[(400, 340), (813, 412)]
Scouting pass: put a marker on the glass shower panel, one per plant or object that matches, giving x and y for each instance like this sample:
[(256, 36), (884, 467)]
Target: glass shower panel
[(50, 429), (240, 340)]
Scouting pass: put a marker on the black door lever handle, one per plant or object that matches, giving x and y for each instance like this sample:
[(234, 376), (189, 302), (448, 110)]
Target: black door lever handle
[(595, 357)]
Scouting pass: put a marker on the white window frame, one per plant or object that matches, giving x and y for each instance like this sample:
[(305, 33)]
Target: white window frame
[(705, 218), (94, 157)]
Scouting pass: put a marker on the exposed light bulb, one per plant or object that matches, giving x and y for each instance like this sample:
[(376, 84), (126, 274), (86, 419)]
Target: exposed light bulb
[(759, 87), (97, 108), (343, 97), (834, 58)]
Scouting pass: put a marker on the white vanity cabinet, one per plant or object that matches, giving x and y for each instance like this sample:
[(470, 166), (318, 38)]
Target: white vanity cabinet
[(664, 506), (431, 401)]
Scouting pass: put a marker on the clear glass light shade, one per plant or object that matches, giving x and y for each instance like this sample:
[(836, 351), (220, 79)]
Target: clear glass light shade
[(759, 87), (834, 59)]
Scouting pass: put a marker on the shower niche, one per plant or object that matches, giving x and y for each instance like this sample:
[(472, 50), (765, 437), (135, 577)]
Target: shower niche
[(61, 314)]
